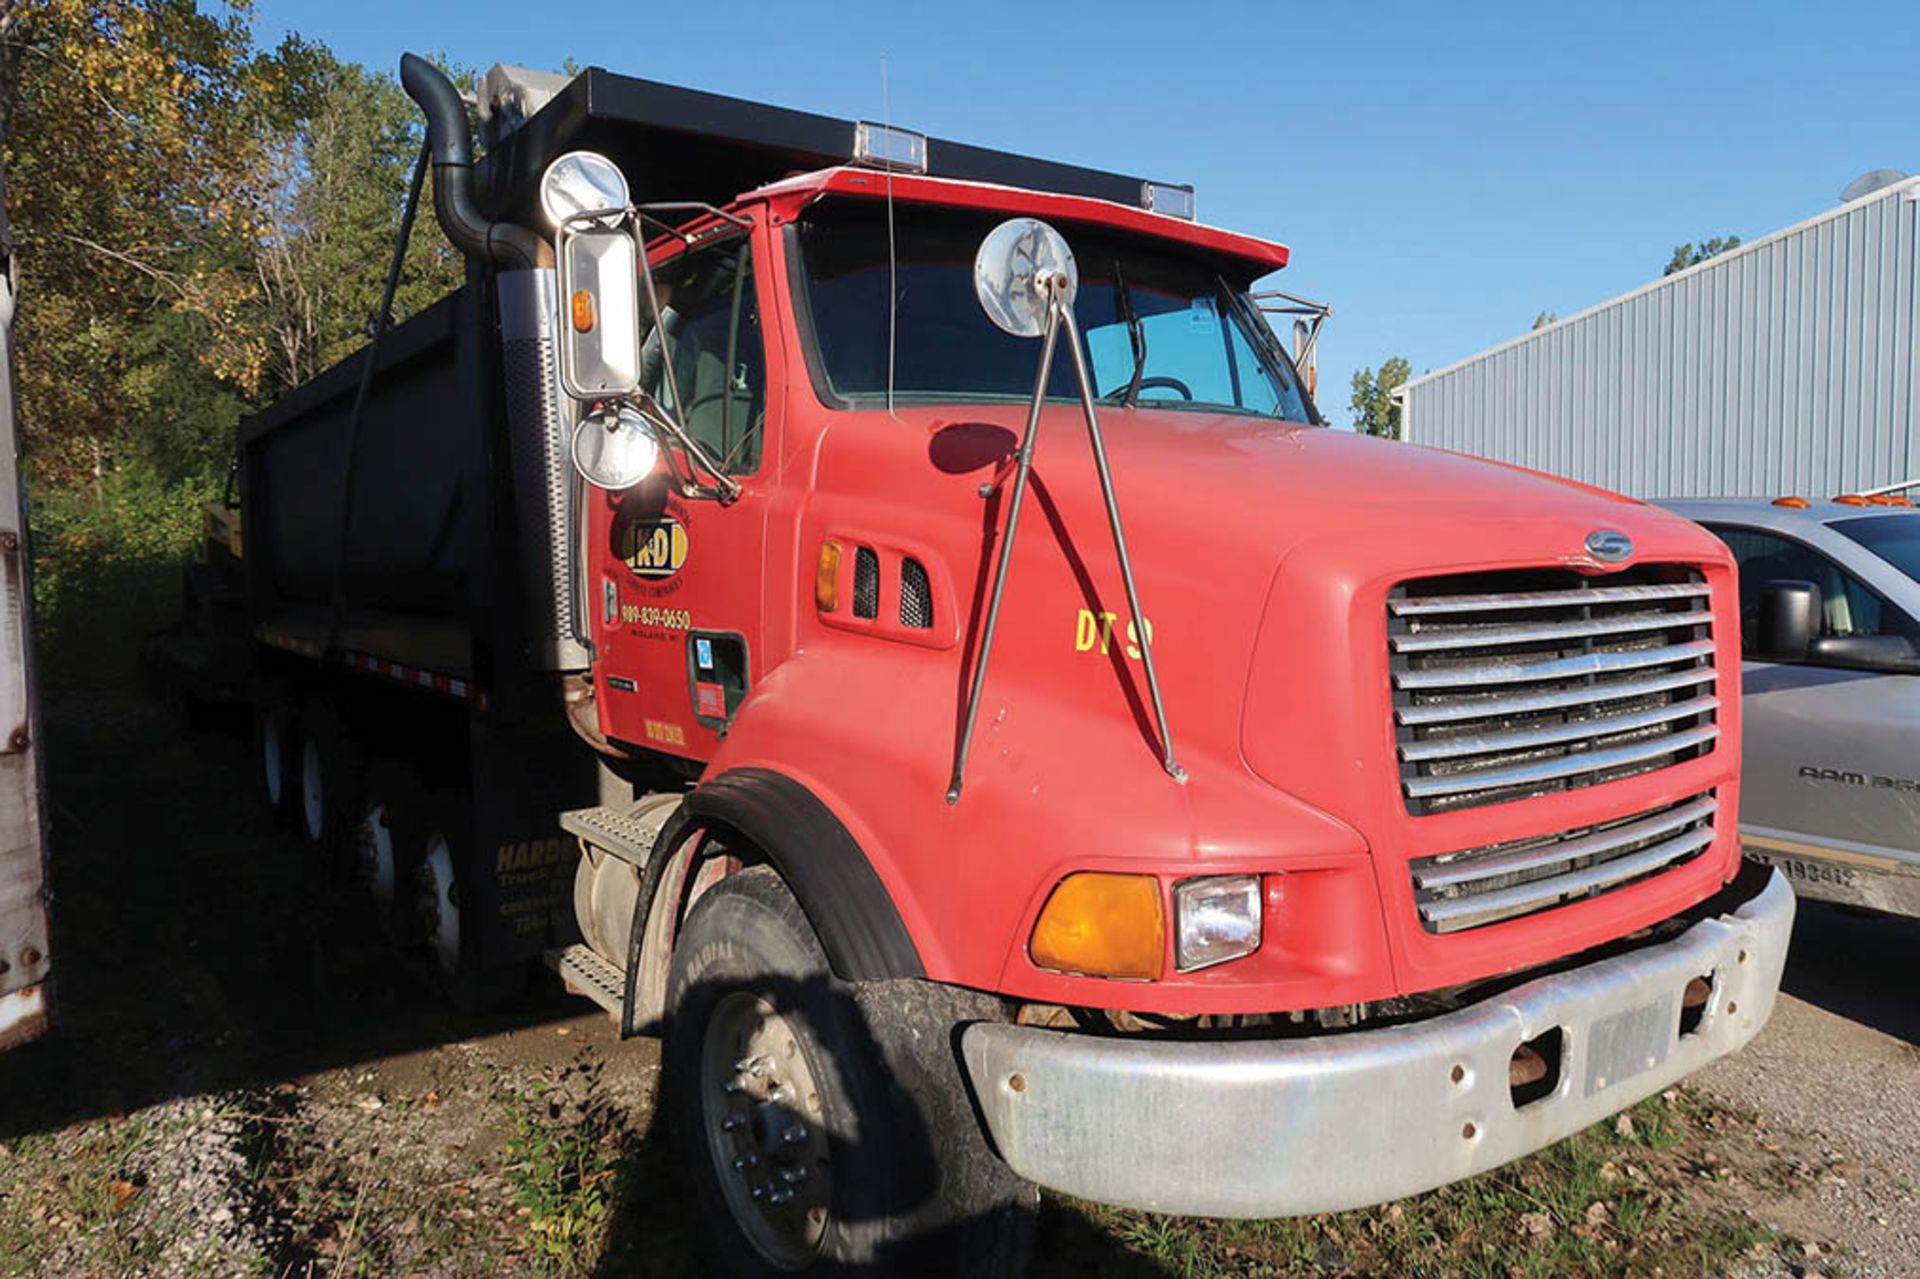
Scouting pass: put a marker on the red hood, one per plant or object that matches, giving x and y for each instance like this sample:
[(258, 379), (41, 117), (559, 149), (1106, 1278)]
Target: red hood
[(1264, 553)]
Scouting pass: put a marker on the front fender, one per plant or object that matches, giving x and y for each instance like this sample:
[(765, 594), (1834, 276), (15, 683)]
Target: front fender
[(822, 863)]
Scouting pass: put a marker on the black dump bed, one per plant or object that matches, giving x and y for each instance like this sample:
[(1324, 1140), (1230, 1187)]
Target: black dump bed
[(683, 144), (419, 583)]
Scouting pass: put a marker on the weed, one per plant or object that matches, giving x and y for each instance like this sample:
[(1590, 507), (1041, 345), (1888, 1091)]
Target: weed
[(564, 1169)]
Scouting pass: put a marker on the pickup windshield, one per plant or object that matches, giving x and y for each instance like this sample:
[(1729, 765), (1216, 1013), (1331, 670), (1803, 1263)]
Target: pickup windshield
[(1196, 342), (1894, 538)]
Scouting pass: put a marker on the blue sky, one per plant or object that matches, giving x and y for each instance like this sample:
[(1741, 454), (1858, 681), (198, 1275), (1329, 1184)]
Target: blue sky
[(1442, 172)]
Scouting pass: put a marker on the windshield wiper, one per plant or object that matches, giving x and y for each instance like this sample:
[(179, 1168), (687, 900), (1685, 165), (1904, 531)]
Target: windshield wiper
[(1136, 333)]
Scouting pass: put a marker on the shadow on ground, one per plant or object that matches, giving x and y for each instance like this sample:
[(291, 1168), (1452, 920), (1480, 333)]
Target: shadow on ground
[(196, 953), (193, 949), (1855, 964)]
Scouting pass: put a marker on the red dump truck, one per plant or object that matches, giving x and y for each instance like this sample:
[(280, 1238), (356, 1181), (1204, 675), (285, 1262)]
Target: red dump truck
[(888, 616)]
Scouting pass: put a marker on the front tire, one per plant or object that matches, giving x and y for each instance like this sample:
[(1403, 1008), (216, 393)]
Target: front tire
[(823, 1138)]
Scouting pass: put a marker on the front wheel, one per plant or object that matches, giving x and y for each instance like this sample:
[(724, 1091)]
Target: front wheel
[(821, 1136)]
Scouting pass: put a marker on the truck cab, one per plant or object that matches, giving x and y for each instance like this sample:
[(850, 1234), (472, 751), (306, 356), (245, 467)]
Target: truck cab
[(1830, 640), (1002, 736)]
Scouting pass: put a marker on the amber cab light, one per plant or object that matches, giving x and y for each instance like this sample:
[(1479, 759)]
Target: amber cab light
[(583, 311), (1102, 925), (826, 577), (1852, 499), (1797, 503)]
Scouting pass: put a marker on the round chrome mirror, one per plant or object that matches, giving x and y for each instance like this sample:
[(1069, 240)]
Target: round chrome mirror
[(580, 182), (1011, 271), (615, 449)]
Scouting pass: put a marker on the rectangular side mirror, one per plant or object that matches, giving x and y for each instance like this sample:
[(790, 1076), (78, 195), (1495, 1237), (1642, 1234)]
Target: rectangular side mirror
[(1788, 621), (599, 311)]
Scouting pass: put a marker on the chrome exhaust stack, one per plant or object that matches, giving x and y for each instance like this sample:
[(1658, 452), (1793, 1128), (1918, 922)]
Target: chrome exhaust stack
[(537, 412)]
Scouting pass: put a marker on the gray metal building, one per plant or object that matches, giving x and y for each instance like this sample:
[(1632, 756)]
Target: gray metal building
[(1787, 365)]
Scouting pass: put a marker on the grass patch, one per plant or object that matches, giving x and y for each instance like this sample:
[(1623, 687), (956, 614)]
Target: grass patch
[(564, 1167), (1621, 1198), (71, 1194)]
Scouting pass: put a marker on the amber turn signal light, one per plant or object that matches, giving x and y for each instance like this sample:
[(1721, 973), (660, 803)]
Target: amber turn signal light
[(1797, 503), (826, 577), (1102, 925), (583, 316)]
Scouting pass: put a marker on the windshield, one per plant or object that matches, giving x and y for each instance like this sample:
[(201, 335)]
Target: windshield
[(1160, 326), (1894, 538)]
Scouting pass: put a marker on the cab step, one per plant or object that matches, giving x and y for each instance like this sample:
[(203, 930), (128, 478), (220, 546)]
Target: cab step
[(627, 832), (586, 973)]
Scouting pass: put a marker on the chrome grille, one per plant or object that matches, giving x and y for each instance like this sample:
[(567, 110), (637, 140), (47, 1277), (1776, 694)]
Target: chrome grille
[(1513, 684), (1484, 885)]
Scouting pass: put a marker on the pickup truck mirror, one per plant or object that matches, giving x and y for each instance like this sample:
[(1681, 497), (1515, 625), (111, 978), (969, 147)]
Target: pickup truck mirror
[(1787, 622), (1894, 654), (599, 310)]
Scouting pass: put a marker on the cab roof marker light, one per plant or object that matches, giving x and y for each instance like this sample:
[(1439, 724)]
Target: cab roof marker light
[(881, 146), (1797, 503), (1165, 197)]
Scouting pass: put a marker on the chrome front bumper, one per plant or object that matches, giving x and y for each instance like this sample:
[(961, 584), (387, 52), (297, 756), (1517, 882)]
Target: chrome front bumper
[(1278, 1128)]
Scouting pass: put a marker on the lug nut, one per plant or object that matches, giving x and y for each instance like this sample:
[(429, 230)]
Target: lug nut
[(780, 1198), (746, 1162), (794, 1135), (793, 1176), (732, 1123)]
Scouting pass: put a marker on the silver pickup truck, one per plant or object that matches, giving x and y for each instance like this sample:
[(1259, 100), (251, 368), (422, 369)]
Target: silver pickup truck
[(1830, 634)]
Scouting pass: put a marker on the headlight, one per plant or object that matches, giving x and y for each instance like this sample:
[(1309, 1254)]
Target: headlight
[(1216, 918)]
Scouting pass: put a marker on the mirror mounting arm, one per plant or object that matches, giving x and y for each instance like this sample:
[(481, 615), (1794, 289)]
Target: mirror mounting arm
[(1054, 286), (724, 489)]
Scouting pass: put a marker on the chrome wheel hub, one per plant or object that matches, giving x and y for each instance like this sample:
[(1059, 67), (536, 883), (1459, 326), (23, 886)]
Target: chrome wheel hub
[(373, 843), (439, 902), (313, 796), (761, 1108), (272, 760)]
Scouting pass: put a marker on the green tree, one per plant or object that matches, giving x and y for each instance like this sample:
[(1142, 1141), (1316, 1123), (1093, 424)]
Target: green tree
[(127, 146), (1545, 318), (1374, 410), (331, 192), (1686, 255), (201, 224)]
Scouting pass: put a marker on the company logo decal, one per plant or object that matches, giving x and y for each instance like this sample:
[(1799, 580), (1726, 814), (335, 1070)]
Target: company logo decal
[(655, 548), (1609, 546)]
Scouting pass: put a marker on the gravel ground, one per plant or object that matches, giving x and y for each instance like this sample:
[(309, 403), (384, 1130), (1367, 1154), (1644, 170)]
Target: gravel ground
[(1835, 1079)]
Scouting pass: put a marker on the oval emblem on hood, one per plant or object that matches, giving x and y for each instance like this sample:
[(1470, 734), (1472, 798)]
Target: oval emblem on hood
[(1609, 545)]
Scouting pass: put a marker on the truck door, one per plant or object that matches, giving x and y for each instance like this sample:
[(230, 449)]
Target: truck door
[(1830, 788), (23, 911), (678, 619)]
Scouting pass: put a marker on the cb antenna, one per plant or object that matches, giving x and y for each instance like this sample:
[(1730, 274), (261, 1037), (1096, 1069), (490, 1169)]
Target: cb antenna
[(893, 288)]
